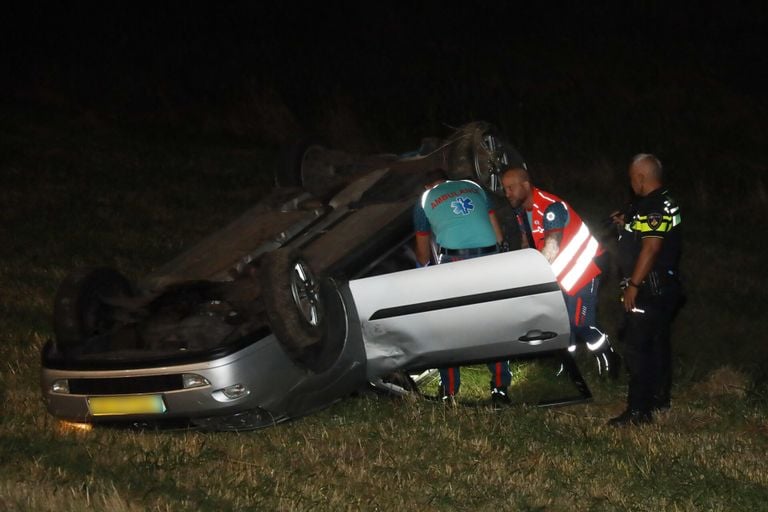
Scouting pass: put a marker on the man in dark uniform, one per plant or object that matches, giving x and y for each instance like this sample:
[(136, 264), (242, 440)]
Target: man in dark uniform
[(649, 252)]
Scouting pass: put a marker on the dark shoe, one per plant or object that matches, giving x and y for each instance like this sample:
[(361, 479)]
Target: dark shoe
[(631, 417), (661, 405), (500, 397)]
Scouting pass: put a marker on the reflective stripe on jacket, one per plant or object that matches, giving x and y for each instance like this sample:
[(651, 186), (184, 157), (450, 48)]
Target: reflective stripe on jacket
[(574, 266)]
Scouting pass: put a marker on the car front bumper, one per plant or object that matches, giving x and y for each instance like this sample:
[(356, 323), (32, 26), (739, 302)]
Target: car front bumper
[(257, 376)]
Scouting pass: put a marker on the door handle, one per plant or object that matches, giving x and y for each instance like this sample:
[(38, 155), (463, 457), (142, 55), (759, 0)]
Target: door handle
[(536, 336)]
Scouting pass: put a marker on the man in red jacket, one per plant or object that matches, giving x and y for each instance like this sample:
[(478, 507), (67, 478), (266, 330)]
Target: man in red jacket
[(553, 227)]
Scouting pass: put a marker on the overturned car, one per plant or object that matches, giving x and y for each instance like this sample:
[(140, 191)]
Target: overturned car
[(307, 297)]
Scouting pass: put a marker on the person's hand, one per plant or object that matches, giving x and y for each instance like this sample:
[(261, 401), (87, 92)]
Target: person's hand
[(617, 218), (629, 297)]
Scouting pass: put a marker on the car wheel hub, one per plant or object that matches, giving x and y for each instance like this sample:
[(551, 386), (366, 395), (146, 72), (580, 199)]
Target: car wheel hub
[(488, 169), (306, 293)]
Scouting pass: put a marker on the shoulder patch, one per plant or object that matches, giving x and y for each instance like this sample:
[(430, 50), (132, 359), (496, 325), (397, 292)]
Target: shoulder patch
[(555, 216), (654, 220)]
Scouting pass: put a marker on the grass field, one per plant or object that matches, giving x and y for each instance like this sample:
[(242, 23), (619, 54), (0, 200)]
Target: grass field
[(81, 189)]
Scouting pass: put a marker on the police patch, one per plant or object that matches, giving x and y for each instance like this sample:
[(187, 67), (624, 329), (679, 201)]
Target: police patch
[(654, 220)]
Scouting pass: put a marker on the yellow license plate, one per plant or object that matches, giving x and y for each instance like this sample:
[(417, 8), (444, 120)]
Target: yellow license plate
[(129, 404)]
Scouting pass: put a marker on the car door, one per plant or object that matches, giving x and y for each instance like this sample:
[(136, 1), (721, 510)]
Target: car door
[(480, 309)]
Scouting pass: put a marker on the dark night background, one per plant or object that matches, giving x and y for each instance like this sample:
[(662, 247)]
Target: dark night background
[(578, 87), (563, 80)]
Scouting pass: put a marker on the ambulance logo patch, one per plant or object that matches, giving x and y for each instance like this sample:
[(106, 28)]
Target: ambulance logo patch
[(462, 206), (654, 220)]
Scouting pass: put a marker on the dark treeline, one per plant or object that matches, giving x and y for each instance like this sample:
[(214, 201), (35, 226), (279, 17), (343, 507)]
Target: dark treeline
[(563, 81)]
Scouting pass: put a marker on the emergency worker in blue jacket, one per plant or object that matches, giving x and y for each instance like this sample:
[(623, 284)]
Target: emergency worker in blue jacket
[(457, 214)]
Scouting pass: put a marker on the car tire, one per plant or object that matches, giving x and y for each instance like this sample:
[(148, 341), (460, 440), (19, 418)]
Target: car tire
[(82, 306), (292, 301), (288, 174), (481, 155), (311, 166)]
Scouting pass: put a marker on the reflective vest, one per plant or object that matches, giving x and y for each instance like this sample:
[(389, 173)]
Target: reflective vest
[(574, 266)]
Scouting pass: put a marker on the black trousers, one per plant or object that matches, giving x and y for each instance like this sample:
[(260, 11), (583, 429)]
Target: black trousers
[(648, 352)]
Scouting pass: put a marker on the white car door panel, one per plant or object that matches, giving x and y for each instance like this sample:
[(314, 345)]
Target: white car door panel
[(472, 310)]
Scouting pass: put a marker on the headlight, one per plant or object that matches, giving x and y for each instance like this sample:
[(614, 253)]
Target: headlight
[(60, 386), (192, 380), (235, 391)]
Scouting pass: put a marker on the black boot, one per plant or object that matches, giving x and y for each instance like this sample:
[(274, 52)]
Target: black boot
[(500, 397), (661, 403), (631, 417)]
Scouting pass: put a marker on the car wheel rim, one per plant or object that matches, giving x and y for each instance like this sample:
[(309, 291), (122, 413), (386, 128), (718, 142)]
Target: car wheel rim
[(306, 293), (490, 160)]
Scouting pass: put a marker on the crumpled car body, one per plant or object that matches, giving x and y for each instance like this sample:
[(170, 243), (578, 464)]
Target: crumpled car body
[(304, 299)]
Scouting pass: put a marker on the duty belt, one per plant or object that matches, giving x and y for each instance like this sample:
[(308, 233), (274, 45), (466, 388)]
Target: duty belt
[(656, 281), (477, 251)]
